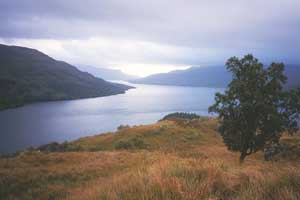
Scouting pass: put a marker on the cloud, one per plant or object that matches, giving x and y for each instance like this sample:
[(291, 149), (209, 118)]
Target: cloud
[(133, 56), (174, 32)]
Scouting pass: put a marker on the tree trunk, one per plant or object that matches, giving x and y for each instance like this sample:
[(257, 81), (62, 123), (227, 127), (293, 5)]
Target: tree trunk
[(242, 157)]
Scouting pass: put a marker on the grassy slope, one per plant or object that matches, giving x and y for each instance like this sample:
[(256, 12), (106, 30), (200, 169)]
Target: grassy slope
[(167, 160)]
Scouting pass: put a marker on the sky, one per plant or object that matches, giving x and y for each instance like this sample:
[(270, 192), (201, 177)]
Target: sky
[(143, 37)]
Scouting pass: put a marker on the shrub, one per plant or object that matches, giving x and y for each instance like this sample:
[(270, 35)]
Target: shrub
[(135, 142), (123, 127), (181, 115), (57, 147)]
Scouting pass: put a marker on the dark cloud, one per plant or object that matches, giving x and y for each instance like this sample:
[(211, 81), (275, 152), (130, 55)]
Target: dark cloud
[(268, 28)]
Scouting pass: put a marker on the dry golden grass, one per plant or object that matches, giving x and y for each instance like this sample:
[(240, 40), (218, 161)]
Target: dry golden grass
[(185, 159)]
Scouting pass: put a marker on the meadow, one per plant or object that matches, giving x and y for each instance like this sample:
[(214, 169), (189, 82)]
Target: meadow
[(171, 159)]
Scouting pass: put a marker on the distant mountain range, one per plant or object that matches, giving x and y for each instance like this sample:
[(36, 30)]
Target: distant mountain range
[(194, 76), (27, 75), (107, 74), (214, 76)]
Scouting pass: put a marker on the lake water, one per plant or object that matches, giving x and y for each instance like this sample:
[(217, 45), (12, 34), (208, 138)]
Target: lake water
[(41, 123)]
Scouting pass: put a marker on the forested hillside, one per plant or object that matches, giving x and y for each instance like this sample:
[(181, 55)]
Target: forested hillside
[(27, 75)]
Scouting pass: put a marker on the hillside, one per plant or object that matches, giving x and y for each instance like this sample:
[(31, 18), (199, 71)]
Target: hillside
[(194, 76), (216, 77), (172, 159), (27, 75), (107, 74)]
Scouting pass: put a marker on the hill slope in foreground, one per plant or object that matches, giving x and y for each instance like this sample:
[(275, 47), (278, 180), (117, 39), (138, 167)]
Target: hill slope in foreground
[(172, 159), (27, 75)]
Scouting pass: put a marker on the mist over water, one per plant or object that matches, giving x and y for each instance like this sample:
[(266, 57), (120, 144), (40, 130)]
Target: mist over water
[(42, 123)]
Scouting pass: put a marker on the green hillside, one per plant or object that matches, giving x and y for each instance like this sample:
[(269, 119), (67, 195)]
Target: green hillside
[(27, 75)]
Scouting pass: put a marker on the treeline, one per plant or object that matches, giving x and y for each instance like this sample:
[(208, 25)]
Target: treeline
[(181, 115)]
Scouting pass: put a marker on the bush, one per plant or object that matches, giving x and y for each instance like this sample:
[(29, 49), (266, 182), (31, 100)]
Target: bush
[(123, 127), (135, 142), (51, 147), (181, 115), (57, 147)]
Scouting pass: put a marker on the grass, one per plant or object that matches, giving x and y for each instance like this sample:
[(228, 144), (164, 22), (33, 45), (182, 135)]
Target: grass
[(178, 159)]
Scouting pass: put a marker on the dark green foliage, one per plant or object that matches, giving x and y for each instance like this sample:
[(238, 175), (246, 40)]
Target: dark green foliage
[(121, 127), (134, 142), (255, 110), (57, 147), (180, 115), (27, 75)]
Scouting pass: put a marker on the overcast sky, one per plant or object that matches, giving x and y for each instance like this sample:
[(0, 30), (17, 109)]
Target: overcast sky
[(148, 36)]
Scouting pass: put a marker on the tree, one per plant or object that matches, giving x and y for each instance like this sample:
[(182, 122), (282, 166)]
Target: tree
[(255, 109)]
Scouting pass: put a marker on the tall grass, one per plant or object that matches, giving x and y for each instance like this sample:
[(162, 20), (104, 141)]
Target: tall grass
[(178, 160)]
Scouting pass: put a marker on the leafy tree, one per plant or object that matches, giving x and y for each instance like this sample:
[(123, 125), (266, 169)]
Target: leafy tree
[(255, 109)]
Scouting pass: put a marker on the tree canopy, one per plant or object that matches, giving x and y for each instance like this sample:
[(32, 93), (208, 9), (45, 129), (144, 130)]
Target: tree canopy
[(255, 110)]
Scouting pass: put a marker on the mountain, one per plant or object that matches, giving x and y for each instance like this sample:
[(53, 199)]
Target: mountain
[(194, 76), (107, 74), (27, 75), (215, 76)]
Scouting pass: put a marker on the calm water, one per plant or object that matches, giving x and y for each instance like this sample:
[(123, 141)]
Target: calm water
[(42, 123)]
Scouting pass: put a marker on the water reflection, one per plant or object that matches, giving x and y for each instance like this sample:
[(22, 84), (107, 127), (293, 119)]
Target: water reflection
[(42, 123)]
